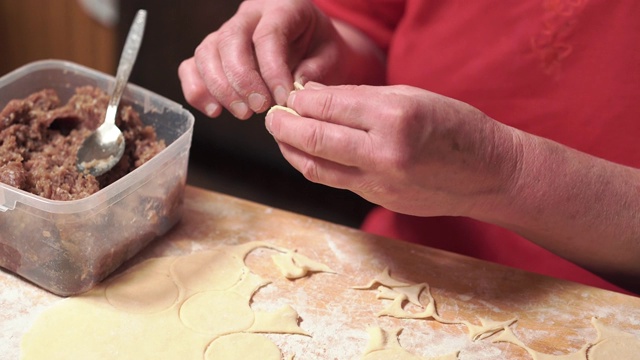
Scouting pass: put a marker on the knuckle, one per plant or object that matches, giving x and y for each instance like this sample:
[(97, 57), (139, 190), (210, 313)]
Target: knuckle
[(314, 141), (393, 158), (265, 32), (309, 170), (183, 68), (228, 34), (326, 106)]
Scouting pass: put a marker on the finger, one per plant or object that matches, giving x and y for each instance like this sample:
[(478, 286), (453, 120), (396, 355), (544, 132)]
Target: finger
[(238, 59), (347, 105), (272, 40), (320, 170), (335, 143), (208, 63), (195, 91)]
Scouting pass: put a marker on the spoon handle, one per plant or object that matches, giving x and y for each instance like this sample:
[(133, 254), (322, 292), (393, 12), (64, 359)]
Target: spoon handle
[(127, 59)]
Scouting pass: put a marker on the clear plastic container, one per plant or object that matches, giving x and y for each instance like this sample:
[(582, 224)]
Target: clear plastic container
[(67, 247)]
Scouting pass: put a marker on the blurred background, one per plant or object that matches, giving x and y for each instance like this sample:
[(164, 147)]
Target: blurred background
[(234, 157)]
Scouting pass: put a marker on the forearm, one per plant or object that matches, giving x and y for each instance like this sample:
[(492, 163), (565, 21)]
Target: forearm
[(580, 207)]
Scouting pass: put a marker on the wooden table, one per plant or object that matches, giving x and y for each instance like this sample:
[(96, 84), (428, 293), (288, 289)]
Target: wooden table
[(554, 316)]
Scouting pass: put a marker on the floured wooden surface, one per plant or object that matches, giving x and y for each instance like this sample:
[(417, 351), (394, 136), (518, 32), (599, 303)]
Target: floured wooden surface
[(554, 317)]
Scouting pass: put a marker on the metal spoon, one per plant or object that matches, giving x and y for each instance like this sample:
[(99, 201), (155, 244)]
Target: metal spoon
[(102, 150)]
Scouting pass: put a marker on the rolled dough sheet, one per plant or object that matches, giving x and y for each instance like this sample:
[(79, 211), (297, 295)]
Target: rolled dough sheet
[(186, 307)]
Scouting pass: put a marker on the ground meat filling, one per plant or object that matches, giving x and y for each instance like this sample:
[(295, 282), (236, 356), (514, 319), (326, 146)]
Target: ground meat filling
[(40, 137)]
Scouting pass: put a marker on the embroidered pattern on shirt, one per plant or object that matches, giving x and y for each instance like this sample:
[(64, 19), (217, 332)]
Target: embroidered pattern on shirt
[(552, 44)]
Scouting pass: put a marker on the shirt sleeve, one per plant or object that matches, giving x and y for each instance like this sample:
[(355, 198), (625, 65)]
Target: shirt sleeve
[(376, 18)]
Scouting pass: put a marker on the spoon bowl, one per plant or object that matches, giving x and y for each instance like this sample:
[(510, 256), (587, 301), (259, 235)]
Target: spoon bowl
[(104, 148)]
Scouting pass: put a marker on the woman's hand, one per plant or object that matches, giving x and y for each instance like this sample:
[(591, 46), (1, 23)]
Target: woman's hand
[(401, 147), (251, 62)]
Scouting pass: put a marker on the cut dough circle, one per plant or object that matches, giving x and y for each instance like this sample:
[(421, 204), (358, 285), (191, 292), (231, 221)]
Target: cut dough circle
[(142, 292), (242, 346), (231, 313), (83, 328), (615, 348), (207, 270)]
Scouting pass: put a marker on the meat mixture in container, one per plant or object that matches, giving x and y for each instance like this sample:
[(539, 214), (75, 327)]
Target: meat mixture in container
[(40, 137)]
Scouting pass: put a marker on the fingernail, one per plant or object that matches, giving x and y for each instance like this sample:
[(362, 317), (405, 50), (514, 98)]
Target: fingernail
[(256, 101), (211, 109), (291, 99), (267, 122), (239, 109), (280, 93)]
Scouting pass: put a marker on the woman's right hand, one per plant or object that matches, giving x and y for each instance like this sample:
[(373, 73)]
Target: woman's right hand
[(251, 62)]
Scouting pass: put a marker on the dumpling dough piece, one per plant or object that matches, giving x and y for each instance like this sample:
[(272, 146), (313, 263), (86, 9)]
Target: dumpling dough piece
[(207, 270), (283, 108), (146, 290), (232, 313)]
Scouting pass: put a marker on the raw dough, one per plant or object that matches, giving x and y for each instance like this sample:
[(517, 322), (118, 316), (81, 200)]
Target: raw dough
[(296, 86), (384, 345), (283, 321), (242, 347), (402, 293), (383, 278), (147, 290), (294, 266), (207, 270), (613, 343), (508, 336), (186, 307), (199, 306), (232, 313), (283, 108)]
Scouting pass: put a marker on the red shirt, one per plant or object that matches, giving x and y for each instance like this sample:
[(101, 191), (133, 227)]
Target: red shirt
[(567, 70)]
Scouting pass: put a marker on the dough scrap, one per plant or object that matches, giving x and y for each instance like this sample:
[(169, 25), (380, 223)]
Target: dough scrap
[(293, 265), (508, 336), (402, 293), (611, 343), (282, 321), (487, 328), (383, 278), (384, 345), (397, 310), (412, 292)]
